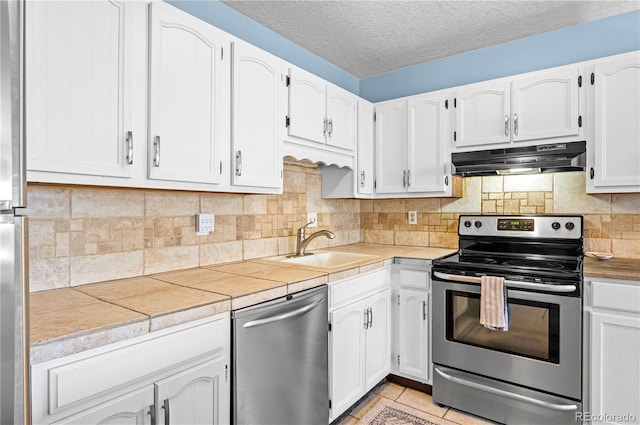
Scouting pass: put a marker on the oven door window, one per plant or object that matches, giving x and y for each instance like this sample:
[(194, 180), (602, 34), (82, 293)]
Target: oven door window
[(534, 327)]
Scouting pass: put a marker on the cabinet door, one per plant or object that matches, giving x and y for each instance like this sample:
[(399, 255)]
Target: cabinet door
[(617, 127), (342, 113), (133, 408), (189, 79), (615, 370), (306, 106), (199, 395), (428, 144), (366, 142), (347, 359), (78, 87), (391, 147), (482, 115), (378, 338), (545, 106), (257, 114), (413, 332)]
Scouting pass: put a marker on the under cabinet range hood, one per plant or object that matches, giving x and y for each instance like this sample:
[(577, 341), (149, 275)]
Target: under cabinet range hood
[(551, 158)]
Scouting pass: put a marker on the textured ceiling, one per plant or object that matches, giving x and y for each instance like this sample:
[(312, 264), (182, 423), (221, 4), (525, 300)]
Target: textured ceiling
[(371, 37)]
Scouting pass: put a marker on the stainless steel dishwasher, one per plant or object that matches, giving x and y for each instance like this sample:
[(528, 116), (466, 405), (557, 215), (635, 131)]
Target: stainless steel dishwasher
[(280, 361)]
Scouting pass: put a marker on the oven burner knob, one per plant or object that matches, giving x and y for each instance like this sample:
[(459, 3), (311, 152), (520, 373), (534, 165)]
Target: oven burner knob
[(467, 223), (555, 225), (569, 225), (478, 224)]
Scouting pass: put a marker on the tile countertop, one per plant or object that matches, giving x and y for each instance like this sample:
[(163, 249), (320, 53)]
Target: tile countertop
[(70, 320), (615, 268)]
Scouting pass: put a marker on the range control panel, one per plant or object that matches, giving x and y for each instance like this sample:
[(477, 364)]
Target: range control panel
[(566, 227), (522, 225)]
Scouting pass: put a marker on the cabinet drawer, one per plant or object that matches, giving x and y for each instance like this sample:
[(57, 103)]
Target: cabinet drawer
[(358, 287), (64, 386), (616, 296), (413, 278)]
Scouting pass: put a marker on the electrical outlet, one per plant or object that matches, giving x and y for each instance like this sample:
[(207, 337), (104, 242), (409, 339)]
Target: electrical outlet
[(204, 223), (312, 218), (413, 217)]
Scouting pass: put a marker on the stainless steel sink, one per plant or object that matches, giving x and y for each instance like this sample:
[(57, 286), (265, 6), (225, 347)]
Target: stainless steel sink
[(327, 259)]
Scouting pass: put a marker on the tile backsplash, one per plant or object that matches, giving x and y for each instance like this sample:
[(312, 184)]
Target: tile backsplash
[(80, 235)]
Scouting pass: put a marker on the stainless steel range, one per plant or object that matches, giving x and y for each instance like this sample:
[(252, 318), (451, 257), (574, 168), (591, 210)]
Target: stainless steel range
[(531, 373)]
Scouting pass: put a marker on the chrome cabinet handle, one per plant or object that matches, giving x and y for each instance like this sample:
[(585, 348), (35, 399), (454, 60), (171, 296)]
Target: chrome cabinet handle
[(370, 318), (592, 173), (152, 413), (408, 178), (330, 127), (167, 417), (366, 318), (325, 127), (515, 124), (404, 178), (362, 179), (156, 156), (424, 310), (238, 163), (446, 180), (506, 125), (129, 142)]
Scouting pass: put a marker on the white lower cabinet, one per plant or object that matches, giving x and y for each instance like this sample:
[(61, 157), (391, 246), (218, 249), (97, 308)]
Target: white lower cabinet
[(144, 380), (411, 351), (612, 347), (131, 409), (359, 337)]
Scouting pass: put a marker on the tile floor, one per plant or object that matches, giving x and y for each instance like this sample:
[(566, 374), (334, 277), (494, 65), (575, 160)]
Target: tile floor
[(412, 398)]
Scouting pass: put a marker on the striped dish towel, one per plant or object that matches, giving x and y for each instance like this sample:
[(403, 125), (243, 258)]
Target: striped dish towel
[(493, 304)]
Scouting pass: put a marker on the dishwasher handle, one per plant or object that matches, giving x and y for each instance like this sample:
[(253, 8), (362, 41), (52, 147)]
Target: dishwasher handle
[(289, 314)]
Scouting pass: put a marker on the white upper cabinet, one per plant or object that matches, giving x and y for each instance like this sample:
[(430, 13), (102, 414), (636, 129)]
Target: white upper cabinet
[(342, 118), (322, 117), (189, 97), (391, 146), (413, 146), (545, 106), (429, 148), (541, 107), (614, 148), (78, 72), (366, 148), (258, 105), (307, 107), (482, 115)]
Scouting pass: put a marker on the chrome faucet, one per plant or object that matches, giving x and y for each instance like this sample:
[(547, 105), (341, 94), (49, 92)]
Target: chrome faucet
[(302, 242)]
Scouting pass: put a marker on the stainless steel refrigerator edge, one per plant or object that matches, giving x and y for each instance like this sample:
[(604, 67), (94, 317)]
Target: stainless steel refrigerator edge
[(14, 292), (280, 361)]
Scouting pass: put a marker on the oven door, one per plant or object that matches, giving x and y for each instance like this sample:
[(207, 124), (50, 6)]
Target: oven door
[(541, 350)]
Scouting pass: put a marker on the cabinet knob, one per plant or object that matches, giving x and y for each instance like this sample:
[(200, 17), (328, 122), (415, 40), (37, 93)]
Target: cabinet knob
[(592, 173)]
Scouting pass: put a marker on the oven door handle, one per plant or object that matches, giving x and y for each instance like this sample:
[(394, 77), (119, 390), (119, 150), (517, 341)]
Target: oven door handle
[(509, 283), (506, 394)]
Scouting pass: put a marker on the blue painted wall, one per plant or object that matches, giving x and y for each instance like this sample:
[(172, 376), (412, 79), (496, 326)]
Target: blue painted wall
[(604, 37)]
